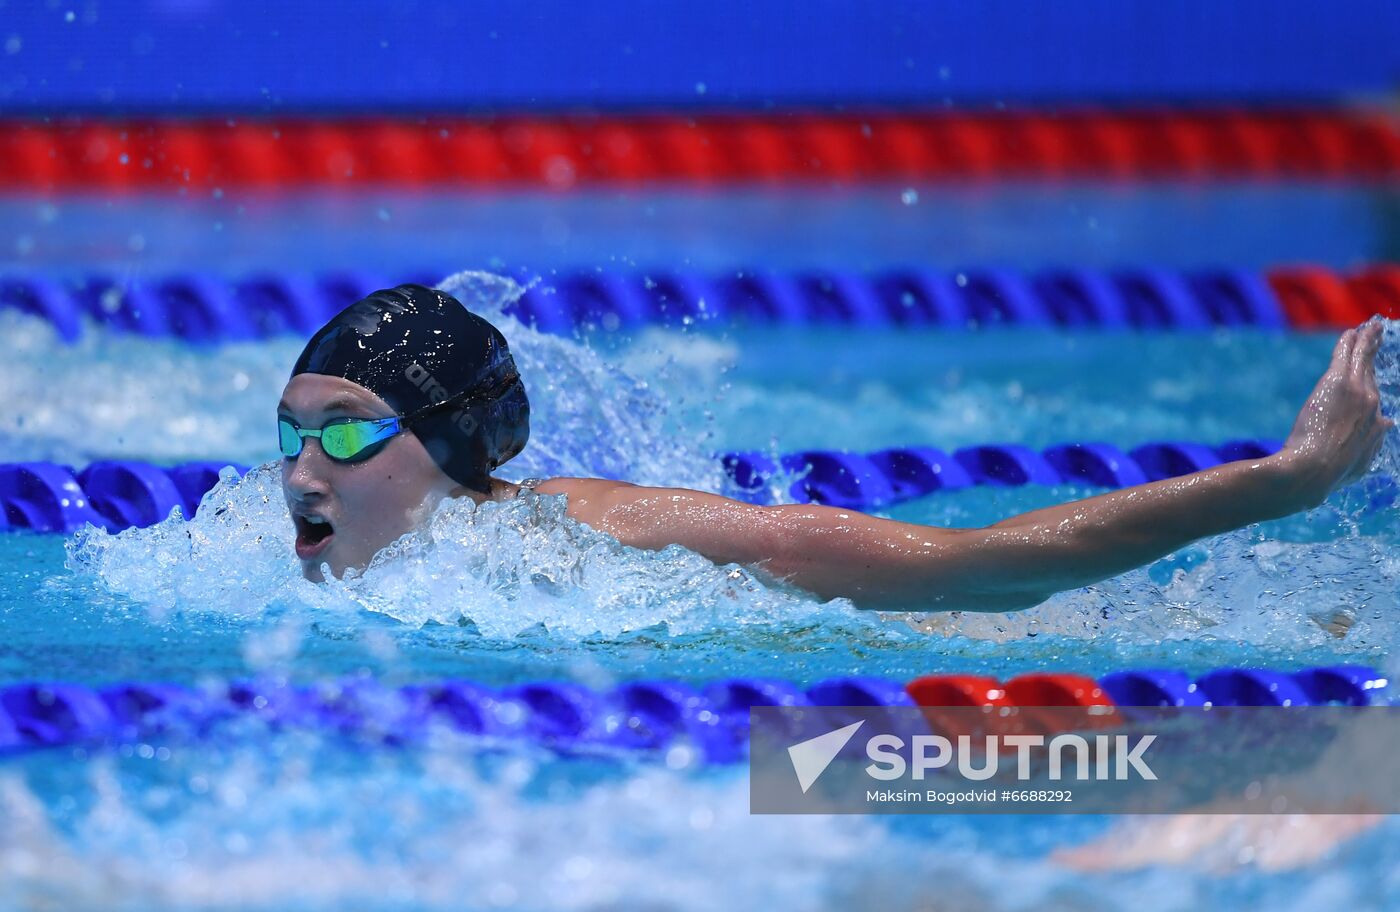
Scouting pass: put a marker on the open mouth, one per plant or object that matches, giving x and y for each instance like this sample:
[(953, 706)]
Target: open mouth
[(314, 534)]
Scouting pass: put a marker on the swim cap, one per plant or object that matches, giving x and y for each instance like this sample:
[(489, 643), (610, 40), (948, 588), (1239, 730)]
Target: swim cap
[(415, 347)]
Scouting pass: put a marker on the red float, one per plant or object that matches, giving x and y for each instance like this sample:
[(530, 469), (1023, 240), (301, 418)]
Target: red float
[(564, 152)]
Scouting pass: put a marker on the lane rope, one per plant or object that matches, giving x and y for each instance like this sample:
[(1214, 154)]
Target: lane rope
[(561, 153), (204, 308), (641, 718)]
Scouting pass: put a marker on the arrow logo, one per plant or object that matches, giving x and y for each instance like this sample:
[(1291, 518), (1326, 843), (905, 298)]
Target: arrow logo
[(810, 758)]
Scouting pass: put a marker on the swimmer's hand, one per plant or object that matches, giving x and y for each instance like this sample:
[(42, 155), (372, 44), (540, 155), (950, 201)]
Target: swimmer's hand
[(1340, 428)]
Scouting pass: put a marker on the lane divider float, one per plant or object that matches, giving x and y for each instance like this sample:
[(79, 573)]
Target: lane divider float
[(203, 308), (565, 152), (642, 718)]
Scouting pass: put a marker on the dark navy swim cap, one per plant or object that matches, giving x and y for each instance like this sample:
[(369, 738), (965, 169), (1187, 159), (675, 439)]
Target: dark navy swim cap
[(416, 347)]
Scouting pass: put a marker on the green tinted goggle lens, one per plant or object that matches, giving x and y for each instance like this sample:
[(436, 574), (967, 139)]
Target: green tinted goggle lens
[(344, 439)]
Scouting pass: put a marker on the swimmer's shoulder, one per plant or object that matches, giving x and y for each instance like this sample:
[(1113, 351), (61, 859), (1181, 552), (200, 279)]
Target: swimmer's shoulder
[(589, 498)]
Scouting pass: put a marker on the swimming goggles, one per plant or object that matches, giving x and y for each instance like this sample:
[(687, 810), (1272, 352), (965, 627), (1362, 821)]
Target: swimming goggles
[(357, 439), (342, 439)]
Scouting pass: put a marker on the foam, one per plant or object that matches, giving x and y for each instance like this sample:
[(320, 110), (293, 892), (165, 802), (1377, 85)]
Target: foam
[(503, 568)]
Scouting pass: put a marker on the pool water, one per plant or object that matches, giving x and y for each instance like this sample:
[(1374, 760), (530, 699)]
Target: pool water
[(511, 592)]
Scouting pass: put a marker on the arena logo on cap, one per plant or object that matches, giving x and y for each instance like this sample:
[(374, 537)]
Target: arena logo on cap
[(423, 379)]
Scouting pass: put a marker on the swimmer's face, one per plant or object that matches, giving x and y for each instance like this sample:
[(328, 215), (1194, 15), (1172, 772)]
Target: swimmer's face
[(363, 505)]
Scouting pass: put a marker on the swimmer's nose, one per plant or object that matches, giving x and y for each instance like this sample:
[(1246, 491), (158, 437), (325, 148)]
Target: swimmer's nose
[(305, 476)]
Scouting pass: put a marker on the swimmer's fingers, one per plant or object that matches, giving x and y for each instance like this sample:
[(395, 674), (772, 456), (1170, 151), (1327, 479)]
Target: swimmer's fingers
[(1330, 392), (1341, 354), (1337, 373), (1364, 377), (1363, 359)]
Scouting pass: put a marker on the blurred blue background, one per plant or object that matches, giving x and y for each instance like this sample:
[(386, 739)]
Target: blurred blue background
[(185, 55)]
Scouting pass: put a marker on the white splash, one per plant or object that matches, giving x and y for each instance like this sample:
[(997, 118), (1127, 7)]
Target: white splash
[(118, 396), (504, 568), (588, 417)]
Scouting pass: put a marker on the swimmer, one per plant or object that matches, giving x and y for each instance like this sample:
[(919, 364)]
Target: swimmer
[(406, 397)]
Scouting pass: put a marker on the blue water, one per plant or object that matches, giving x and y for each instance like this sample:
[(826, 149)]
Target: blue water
[(1022, 225), (515, 592)]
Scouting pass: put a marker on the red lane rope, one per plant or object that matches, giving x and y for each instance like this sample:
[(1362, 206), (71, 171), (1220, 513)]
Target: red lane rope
[(565, 152), (1314, 297)]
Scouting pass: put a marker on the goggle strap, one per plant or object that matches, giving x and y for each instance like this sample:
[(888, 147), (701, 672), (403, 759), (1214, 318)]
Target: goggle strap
[(487, 394)]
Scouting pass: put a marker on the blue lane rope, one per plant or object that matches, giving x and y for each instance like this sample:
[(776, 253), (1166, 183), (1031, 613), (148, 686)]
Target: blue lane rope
[(643, 718), (201, 308), (115, 495)]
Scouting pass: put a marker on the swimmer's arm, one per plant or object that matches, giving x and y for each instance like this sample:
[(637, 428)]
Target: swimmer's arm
[(1019, 562), (882, 563)]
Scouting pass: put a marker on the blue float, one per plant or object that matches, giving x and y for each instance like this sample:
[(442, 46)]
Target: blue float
[(657, 713), (195, 308), (750, 473), (916, 471), (564, 715), (10, 736), (607, 300), (737, 695), (285, 304), (1160, 299), (1349, 685), (45, 299), (996, 296), (859, 691), (44, 497), (1097, 463), (342, 288), (144, 708), (681, 298), (762, 297), (1152, 687), (838, 479), (130, 493), (1236, 297), (1169, 460), (1006, 465), (1234, 450), (207, 308), (195, 479), (1251, 687), (468, 708), (1082, 299), (110, 302), (843, 297), (274, 702), (924, 297), (544, 309), (53, 714)]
